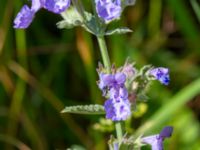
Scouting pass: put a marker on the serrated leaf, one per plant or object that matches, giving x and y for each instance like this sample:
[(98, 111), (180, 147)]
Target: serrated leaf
[(85, 109), (121, 30)]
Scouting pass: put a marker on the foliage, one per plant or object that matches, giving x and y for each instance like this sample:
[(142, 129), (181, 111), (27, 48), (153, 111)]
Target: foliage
[(43, 69)]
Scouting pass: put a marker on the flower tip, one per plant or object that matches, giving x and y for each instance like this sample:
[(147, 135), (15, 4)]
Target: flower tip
[(166, 132), (161, 74), (24, 18)]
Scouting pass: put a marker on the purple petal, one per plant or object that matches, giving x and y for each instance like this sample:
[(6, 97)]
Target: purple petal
[(161, 74), (108, 9), (105, 80), (24, 17), (154, 141), (120, 92), (110, 110), (56, 6), (120, 78), (116, 146), (166, 132), (37, 4), (122, 110), (117, 109), (123, 93), (129, 70)]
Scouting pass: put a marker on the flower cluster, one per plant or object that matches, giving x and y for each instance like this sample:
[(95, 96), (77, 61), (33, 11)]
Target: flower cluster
[(156, 141), (26, 14), (117, 107), (108, 10)]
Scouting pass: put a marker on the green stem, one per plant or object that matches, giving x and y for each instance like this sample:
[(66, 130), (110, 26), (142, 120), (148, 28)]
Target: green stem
[(107, 65), (104, 52), (118, 127)]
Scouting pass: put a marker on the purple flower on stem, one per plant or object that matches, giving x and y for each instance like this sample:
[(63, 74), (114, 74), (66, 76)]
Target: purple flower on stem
[(161, 74), (156, 141), (108, 10), (26, 14), (117, 107), (111, 81)]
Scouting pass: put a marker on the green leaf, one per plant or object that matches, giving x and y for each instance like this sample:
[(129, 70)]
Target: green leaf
[(85, 109), (121, 30), (71, 19)]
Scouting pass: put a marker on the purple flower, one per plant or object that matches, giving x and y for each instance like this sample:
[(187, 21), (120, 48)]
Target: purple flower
[(37, 4), (156, 141), (26, 14), (111, 81), (24, 17), (117, 109), (56, 6), (105, 80), (129, 70), (161, 74), (108, 10)]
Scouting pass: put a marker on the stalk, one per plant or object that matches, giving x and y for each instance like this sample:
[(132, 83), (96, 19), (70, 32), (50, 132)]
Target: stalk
[(104, 52), (107, 65)]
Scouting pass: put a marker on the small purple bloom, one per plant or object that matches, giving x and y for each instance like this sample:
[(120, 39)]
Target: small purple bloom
[(37, 4), (56, 6), (26, 14), (120, 78), (109, 108), (118, 92), (105, 80), (111, 81), (117, 109), (24, 17), (161, 74), (108, 10), (156, 141), (129, 70)]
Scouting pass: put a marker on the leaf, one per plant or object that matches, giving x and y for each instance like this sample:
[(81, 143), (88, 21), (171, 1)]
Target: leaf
[(71, 19), (90, 23), (85, 109), (121, 30)]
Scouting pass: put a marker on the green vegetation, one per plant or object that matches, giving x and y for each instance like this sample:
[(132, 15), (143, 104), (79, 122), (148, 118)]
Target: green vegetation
[(43, 69)]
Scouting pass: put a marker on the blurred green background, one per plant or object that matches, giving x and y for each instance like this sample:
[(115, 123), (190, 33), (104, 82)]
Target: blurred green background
[(43, 69)]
